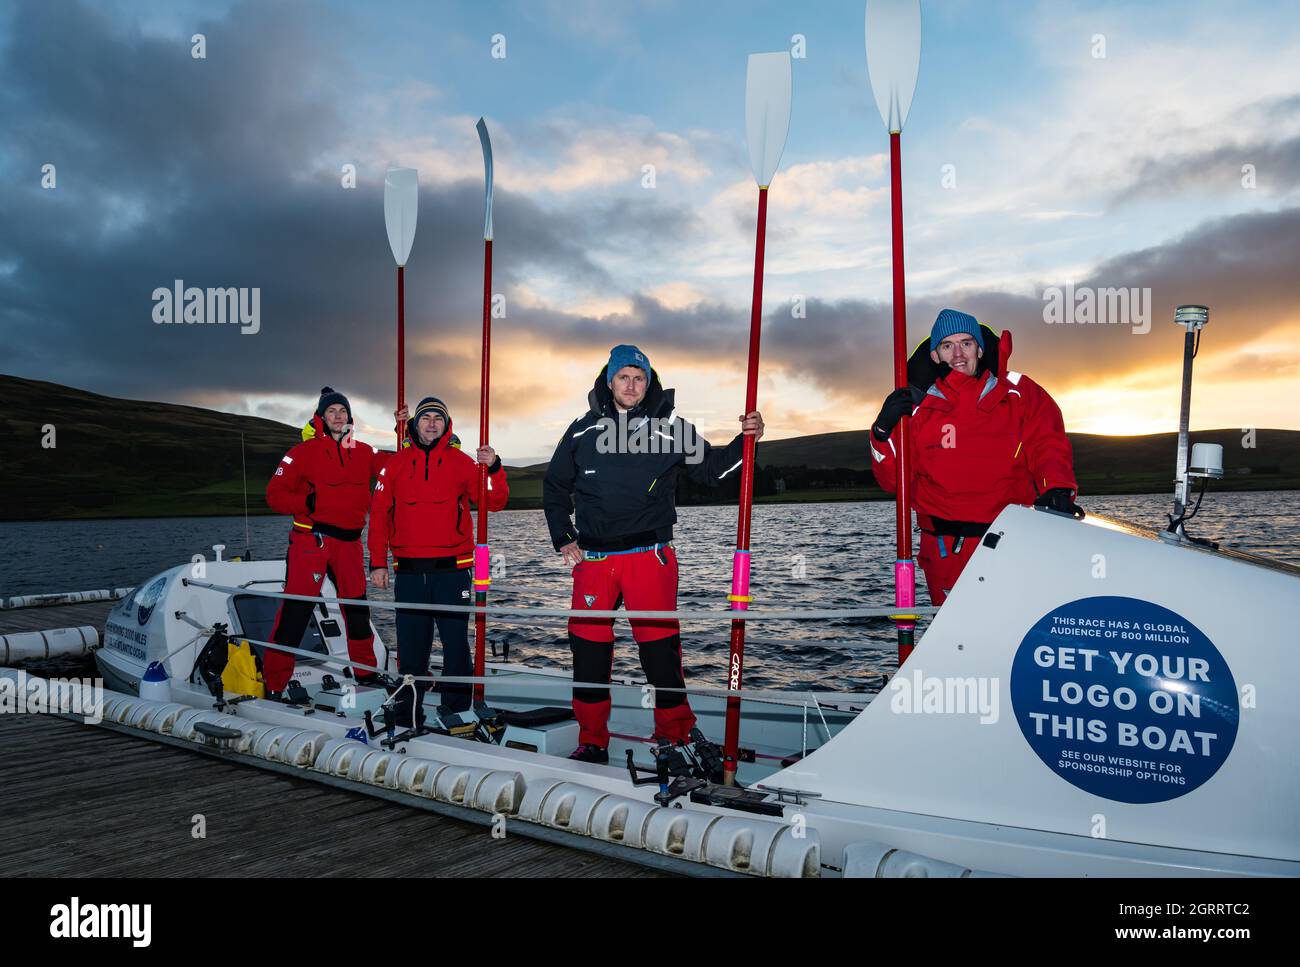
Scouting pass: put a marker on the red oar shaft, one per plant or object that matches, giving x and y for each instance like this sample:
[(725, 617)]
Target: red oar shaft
[(740, 565), (401, 345), (482, 555), (904, 567)]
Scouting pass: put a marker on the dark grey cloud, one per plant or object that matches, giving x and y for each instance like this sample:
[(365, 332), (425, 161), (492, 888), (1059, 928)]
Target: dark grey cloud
[(224, 173), (1242, 267), (1218, 170), (211, 171), (133, 113)]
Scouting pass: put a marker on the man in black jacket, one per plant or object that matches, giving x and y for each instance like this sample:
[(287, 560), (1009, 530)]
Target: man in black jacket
[(617, 466)]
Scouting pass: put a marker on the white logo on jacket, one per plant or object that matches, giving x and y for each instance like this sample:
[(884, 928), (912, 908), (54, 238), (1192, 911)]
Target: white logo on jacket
[(650, 435)]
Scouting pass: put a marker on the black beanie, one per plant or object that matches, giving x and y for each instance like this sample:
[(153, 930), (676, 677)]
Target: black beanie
[(328, 397), (431, 404)]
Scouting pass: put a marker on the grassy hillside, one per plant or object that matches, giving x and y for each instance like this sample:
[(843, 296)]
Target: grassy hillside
[(128, 458), (1103, 464), (836, 466)]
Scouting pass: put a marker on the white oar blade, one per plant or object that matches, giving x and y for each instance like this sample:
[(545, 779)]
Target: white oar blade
[(401, 206), (767, 112), (486, 142), (893, 56)]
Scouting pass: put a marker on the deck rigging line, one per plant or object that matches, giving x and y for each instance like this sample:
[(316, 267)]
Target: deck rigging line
[(567, 684), (513, 612)]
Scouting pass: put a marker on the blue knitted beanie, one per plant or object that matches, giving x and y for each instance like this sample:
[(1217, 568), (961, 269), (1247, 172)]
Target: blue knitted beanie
[(950, 322)]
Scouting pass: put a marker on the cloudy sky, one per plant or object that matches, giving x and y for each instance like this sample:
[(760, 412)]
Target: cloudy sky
[(1146, 145)]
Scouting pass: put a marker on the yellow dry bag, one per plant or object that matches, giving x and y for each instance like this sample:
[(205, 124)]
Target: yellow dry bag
[(241, 675)]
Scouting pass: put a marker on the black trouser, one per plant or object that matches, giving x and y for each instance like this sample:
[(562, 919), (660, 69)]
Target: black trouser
[(415, 636)]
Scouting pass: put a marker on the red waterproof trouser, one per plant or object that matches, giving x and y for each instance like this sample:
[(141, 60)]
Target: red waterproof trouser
[(943, 564), (311, 558), (643, 581)]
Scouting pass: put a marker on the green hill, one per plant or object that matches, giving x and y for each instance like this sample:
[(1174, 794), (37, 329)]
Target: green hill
[(836, 466), (1103, 464), (130, 458)]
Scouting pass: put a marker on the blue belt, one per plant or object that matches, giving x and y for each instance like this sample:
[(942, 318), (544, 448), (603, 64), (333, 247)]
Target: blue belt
[(601, 555)]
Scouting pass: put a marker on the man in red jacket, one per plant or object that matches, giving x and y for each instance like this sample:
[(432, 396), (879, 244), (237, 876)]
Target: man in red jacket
[(978, 442), (324, 482), (421, 509)]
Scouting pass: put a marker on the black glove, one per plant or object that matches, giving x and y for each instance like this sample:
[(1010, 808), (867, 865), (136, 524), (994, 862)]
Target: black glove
[(1060, 499), (898, 404), (311, 502)]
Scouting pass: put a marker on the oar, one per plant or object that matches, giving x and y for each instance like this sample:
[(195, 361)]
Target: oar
[(482, 555), (401, 206), (767, 122), (893, 30)]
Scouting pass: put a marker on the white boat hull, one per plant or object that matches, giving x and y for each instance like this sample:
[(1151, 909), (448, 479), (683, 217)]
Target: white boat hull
[(1049, 767)]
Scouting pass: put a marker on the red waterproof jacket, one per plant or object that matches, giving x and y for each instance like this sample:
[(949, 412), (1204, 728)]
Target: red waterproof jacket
[(421, 505), (339, 476), (979, 443)]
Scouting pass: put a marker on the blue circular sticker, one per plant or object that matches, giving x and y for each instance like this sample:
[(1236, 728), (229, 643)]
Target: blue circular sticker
[(148, 600), (1124, 699)]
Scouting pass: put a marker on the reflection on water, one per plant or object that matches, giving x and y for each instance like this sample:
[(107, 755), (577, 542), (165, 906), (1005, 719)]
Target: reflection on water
[(804, 555)]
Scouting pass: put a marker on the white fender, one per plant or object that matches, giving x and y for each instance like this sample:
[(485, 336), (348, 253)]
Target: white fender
[(412, 773), (123, 710), (183, 727), (268, 743), (254, 735), (499, 792), (429, 787), (185, 723), (679, 832), (570, 806), (617, 819), (141, 712), (333, 751), (869, 858), (111, 701), (228, 722), (372, 767), (794, 856), (530, 807), (740, 844), (301, 750), (454, 782), (488, 789), (163, 717)]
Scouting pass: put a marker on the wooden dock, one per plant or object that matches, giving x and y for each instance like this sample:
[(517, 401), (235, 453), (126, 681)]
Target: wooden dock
[(84, 801), (80, 800), (93, 613)]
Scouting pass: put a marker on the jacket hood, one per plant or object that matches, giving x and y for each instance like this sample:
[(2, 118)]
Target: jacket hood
[(657, 399), (448, 438), (316, 428), (922, 371)]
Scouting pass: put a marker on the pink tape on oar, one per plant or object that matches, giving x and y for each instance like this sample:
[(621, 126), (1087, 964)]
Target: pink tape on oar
[(482, 567), (905, 588), (739, 596)]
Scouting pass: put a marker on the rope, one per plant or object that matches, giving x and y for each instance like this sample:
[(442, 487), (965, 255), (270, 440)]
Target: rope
[(516, 612)]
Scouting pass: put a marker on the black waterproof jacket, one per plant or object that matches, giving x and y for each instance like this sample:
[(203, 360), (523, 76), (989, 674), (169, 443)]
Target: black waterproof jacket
[(619, 471)]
